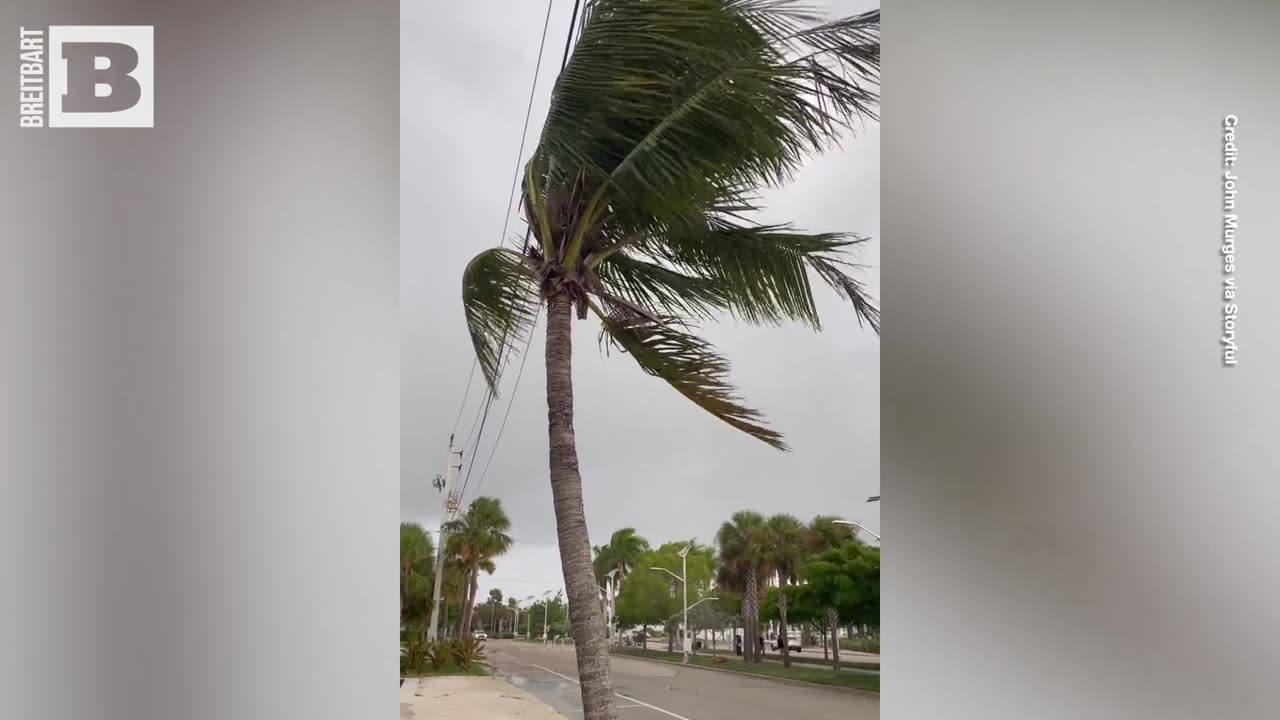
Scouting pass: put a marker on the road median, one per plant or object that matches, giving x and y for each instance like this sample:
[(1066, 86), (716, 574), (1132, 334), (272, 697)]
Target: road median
[(865, 683)]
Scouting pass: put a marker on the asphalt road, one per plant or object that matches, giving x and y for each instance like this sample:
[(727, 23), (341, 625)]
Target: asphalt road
[(657, 691)]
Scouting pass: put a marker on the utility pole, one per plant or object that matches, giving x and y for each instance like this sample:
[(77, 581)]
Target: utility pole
[(449, 504), (684, 583), (684, 633), (612, 577)]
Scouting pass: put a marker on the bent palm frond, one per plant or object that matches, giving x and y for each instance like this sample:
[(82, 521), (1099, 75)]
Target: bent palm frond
[(688, 364), (758, 273), (500, 300)]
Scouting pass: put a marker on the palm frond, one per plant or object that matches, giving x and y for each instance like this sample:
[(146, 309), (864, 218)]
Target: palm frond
[(652, 285), (690, 365), (665, 97), (759, 273), (831, 270), (499, 298)]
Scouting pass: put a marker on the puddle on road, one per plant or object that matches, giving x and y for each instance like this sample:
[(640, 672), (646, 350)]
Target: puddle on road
[(560, 694)]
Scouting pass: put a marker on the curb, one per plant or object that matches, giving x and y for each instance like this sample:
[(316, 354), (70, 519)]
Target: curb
[(788, 681)]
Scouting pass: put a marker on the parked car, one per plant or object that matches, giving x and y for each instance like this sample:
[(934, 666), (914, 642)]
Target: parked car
[(479, 635)]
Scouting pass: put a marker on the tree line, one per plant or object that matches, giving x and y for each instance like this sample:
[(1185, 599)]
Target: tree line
[(760, 569)]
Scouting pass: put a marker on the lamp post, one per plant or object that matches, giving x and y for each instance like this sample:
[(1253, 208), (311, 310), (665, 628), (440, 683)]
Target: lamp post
[(612, 577), (546, 608), (684, 570), (859, 526)]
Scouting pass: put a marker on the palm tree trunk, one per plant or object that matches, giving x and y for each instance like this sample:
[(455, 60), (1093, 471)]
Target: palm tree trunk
[(833, 621), (471, 604), (782, 624), (751, 618), (472, 580), (571, 522)]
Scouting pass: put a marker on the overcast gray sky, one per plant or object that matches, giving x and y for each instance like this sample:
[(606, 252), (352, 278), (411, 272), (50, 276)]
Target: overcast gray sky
[(650, 459)]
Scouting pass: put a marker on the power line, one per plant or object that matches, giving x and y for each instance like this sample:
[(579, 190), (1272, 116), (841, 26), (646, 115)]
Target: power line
[(510, 401), (528, 340), (506, 220), (524, 134), (465, 393)]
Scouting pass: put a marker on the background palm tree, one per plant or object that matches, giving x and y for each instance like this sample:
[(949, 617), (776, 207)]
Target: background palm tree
[(620, 553), (416, 576), (786, 538), (475, 538), (668, 117), (825, 532), (744, 562)]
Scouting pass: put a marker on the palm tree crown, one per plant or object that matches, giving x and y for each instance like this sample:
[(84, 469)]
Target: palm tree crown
[(621, 552), (668, 117), (417, 561)]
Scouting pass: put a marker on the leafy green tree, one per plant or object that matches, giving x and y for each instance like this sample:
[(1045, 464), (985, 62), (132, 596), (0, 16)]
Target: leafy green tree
[(551, 611), (667, 120), (845, 583), (417, 576), (475, 538), (652, 596)]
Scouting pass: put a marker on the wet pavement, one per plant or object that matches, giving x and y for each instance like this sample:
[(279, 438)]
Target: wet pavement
[(653, 691)]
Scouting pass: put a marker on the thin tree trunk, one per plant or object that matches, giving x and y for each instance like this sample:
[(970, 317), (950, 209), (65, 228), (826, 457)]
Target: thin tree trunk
[(825, 656), (571, 523), (468, 603), (751, 617), (833, 620), (782, 625)]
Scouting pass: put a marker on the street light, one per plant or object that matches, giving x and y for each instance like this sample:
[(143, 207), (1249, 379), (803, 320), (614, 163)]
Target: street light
[(546, 608), (611, 576), (684, 573), (859, 526), (874, 498)]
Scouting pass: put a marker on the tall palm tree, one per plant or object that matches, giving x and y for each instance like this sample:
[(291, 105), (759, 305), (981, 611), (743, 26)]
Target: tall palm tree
[(416, 576), (744, 563), (475, 538), (786, 539), (667, 119)]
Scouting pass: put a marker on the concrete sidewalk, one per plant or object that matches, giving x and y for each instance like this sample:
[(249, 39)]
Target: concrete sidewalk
[(459, 697)]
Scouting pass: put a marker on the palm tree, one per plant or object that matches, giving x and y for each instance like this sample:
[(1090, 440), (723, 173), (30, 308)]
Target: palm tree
[(620, 554), (826, 532), (416, 575), (786, 539), (475, 538), (744, 563), (667, 119)]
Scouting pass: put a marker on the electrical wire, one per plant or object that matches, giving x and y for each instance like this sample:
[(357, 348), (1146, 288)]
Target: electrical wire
[(528, 340)]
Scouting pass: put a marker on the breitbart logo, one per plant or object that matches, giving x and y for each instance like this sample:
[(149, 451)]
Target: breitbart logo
[(86, 76)]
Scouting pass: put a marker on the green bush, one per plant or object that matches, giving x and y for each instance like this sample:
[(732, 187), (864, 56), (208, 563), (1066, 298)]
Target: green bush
[(861, 644), (467, 652), (415, 656)]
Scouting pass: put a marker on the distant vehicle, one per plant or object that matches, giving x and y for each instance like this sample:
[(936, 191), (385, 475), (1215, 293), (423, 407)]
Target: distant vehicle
[(479, 635), (793, 642)]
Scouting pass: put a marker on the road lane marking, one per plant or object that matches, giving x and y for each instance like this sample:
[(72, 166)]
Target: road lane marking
[(624, 697)]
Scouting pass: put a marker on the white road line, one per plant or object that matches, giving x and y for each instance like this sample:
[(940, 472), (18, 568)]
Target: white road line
[(640, 703)]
